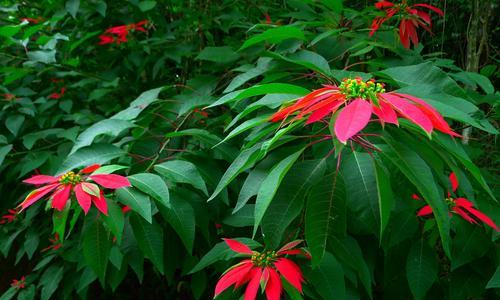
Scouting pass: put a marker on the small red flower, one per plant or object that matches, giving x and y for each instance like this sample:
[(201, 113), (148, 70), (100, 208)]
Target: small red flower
[(58, 95), (360, 100), (118, 34), (32, 20), (10, 217), (461, 206), (411, 18), (9, 97), (55, 243), (19, 284), (86, 192), (126, 209), (264, 269)]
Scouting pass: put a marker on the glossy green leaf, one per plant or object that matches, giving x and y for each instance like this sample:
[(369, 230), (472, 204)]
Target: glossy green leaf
[(275, 35), (182, 171), (150, 240), (95, 154), (328, 278), (181, 216), (270, 185), (115, 220), (321, 214), (153, 185), (137, 201), (421, 269), (96, 247)]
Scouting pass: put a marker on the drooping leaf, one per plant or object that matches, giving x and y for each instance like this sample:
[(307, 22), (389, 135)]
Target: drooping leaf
[(150, 240), (321, 214), (182, 171), (96, 247), (270, 185), (181, 216), (137, 201), (421, 269), (153, 185)]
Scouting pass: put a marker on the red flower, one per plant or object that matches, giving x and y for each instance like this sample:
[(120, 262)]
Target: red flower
[(86, 192), (126, 209), (58, 95), (10, 217), (19, 284), (118, 34), (411, 19), (32, 20), (262, 269), (55, 243), (9, 97), (360, 99), (461, 206)]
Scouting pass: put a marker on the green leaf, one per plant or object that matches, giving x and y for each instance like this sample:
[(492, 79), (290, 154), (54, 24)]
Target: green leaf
[(420, 175), (150, 240), (30, 139), (182, 171), (242, 218), (115, 220), (221, 252), (469, 244), (289, 200), (421, 269), (328, 278), (45, 57), (248, 124), (181, 216), (261, 89), (270, 185), (9, 294), (480, 80), (153, 185), (95, 154), (10, 30), (246, 159), (138, 202), (50, 281), (59, 219), (32, 239), (72, 7), (4, 150), (361, 189), (385, 197), (308, 59), (321, 213), (108, 169), (109, 127), (28, 293), (495, 280), (275, 35), (457, 150), (335, 5), (138, 105), (14, 123), (348, 251), (218, 54), (96, 248), (263, 65), (146, 5)]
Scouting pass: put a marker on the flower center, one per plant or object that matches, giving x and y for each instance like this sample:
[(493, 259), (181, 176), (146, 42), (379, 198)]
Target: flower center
[(264, 259), (70, 178), (357, 88), (449, 201)]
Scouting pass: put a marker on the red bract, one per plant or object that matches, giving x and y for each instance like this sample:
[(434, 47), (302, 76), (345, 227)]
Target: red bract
[(461, 206), (410, 19), (55, 243), (19, 284), (86, 192), (10, 217), (118, 34), (360, 100), (9, 97), (264, 269), (58, 95)]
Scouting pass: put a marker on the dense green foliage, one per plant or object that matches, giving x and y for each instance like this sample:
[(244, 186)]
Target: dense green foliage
[(182, 108)]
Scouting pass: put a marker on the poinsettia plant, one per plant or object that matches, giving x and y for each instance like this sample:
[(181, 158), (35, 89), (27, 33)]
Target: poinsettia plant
[(138, 137)]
